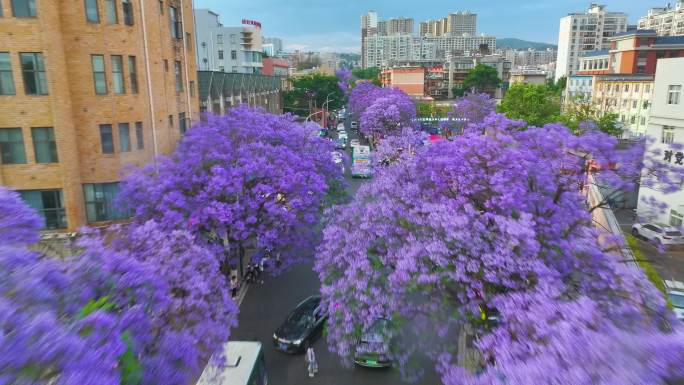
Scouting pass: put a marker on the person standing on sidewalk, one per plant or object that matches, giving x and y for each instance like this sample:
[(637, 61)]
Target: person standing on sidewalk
[(311, 360)]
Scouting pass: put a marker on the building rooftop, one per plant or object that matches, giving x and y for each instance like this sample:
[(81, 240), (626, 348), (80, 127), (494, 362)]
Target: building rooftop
[(638, 32), (669, 40)]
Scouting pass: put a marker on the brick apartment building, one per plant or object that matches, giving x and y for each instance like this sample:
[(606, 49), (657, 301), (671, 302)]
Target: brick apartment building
[(87, 88)]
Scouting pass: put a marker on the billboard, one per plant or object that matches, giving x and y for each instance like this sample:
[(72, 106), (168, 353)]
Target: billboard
[(251, 22)]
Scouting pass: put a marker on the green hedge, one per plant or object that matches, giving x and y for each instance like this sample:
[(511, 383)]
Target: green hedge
[(646, 266)]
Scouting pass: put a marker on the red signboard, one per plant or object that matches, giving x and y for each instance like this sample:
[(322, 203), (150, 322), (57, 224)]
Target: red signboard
[(251, 22)]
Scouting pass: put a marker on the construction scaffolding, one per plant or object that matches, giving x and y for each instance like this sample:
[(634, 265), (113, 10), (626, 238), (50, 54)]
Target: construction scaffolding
[(219, 91)]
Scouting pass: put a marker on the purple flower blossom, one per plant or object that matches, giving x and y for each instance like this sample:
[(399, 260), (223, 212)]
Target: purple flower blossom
[(495, 224)]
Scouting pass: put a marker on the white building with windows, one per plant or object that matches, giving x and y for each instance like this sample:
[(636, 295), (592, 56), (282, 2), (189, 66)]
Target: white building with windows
[(585, 32), (666, 128), (226, 49), (666, 21)]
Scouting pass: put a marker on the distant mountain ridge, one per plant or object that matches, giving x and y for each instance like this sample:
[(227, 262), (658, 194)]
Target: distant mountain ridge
[(522, 44)]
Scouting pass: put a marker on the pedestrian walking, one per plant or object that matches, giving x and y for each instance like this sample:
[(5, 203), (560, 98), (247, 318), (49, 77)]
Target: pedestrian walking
[(234, 286), (311, 360)]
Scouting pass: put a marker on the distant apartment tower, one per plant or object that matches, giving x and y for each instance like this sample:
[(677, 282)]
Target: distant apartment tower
[(400, 26), (461, 23), (227, 49), (384, 51), (369, 27), (585, 32), (275, 45), (87, 90), (456, 24), (666, 21)]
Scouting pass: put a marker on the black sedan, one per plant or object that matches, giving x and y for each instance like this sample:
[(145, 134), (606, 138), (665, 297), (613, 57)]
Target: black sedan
[(302, 327)]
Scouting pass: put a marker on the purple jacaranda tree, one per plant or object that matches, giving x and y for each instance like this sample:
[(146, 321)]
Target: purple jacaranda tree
[(472, 108), (388, 114), (345, 79), (394, 148), (362, 96), (248, 178), (153, 314), (491, 233)]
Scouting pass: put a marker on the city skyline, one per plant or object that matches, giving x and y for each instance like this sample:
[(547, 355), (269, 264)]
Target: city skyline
[(342, 28)]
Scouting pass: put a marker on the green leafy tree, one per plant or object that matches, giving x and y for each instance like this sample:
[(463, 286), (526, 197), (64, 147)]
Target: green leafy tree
[(533, 103), (482, 78), (581, 115), (312, 91), (557, 86), (371, 73)]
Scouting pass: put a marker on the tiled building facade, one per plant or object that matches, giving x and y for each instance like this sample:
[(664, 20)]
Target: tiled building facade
[(88, 88)]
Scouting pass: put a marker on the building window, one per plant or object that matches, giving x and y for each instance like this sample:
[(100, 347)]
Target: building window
[(118, 86), (188, 40), (634, 104), (6, 79), (92, 13), (673, 94), (106, 138), (12, 146), (179, 76), (668, 135), (192, 88), (643, 120), (648, 88), (220, 55), (99, 200), (676, 218), (110, 10), (24, 8), (127, 10), (233, 55), (219, 39), (626, 87), (166, 65), (133, 73), (99, 75), (175, 24), (232, 38), (636, 88), (222, 68), (124, 137), (632, 119), (182, 123), (33, 69), (171, 121), (139, 138), (44, 145), (161, 7), (1, 13), (49, 204)]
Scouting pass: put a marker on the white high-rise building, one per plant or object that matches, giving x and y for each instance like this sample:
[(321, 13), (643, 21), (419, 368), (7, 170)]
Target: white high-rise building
[(586, 32), (226, 49), (369, 27), (666, 130), (666, 21), (383, 51), (461, 23), (275, 44)]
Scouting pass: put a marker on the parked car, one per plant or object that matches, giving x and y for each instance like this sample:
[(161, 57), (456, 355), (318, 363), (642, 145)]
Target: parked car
[(342, 135), (340, 143), (302, 327), (658, 234), (675, 292), (354, 125), (340, 127), (373, 348), (354, 143)]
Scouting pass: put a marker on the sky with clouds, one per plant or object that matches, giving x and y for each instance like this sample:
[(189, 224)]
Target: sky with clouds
[(328, 25)]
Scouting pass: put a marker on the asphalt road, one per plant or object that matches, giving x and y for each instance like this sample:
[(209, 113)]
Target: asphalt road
[(265, 307)]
